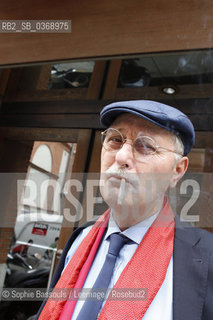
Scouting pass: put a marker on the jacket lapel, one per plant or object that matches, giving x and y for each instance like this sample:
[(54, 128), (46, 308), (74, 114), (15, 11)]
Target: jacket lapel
[(190, 273)]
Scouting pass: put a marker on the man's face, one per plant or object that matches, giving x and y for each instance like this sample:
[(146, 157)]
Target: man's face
[(146, 180)]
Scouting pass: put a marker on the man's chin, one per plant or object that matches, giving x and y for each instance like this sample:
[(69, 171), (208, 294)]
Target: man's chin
[(112, 201), (119, 206), (117, 202)]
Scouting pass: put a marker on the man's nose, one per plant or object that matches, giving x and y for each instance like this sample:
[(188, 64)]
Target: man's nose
[(125, 155)]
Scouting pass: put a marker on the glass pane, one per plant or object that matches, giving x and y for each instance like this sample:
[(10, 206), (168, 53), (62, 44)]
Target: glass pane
[(71, 75), (175, 68), (34, 246)]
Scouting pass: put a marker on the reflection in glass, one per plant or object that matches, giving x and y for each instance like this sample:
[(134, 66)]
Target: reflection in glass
[(71, 75), (175, 68)]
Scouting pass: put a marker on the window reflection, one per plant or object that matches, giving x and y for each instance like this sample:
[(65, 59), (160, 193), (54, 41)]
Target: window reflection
[(71, 75), (175, 68)]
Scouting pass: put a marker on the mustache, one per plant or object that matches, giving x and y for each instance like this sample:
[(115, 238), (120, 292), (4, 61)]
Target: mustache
[(120, 173)]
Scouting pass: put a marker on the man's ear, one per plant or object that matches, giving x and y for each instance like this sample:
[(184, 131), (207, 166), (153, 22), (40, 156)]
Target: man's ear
[(179, 170)]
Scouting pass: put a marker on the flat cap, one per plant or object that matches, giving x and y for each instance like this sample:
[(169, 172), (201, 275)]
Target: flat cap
[(158, 113)]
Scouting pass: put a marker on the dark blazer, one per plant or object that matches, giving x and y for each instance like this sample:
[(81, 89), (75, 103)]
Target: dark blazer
[(192, 272)]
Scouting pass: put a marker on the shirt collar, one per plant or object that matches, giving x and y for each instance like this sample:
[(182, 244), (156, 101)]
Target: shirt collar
[(135, 233)]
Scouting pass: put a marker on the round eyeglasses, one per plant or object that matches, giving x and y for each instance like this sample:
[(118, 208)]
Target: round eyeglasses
[(113, 140)]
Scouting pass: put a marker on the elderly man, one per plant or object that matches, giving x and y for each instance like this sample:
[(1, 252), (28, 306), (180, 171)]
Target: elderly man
[(137, 246)]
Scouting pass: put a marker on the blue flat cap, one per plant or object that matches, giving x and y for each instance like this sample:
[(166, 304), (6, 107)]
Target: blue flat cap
[(158, 113)]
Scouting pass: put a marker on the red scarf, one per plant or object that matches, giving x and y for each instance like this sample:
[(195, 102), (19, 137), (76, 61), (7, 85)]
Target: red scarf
[(146, 269)]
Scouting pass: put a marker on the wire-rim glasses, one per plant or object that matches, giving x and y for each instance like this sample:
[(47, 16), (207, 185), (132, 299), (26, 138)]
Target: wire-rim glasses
[(113, 141)]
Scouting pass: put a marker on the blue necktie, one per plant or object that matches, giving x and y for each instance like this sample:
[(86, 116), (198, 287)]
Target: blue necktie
[(91, 308)]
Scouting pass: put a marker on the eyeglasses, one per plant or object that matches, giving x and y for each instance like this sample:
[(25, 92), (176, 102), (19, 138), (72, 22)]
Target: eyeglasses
[(113, 140)]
